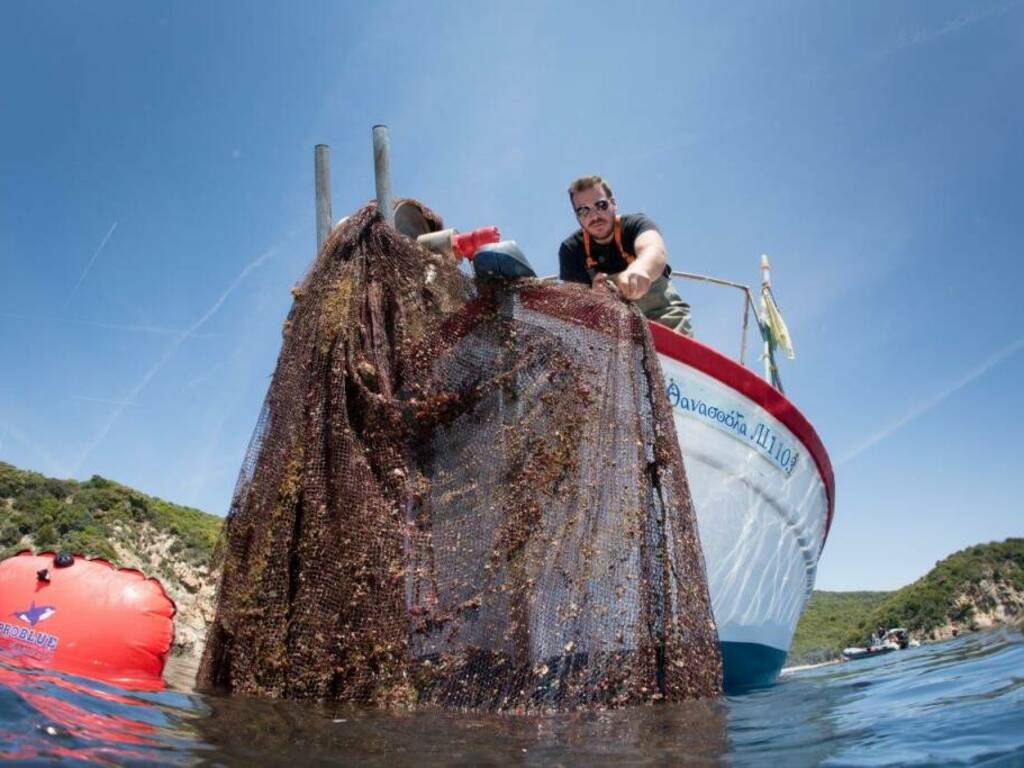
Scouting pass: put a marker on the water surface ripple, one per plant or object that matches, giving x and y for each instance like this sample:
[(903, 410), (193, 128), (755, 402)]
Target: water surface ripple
[(960, 701)]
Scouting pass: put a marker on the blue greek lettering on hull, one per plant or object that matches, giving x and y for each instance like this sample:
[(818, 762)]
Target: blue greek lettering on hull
[(733, 420)]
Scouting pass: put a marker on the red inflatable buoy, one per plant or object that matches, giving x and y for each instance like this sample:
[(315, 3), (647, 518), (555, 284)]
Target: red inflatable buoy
[(85, 617)]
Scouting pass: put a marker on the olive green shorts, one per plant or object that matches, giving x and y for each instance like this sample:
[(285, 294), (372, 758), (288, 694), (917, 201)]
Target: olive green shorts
[(663, 305)]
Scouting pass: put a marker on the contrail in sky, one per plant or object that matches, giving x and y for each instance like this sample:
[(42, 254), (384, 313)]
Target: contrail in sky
[(177, 342), (925, 36), (89, 265), (102, 400), (908, 40), (933, 401), (133, 328)]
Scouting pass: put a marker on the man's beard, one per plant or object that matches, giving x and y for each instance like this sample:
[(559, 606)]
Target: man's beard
[(607, 232)]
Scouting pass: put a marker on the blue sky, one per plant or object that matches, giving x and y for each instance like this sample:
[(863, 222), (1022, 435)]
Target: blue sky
[(156, 205)]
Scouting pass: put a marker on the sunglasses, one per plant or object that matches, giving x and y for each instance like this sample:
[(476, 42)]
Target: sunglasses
[(585, 210)]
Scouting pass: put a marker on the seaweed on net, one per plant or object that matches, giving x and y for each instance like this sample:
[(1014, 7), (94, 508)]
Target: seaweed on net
[(464, 493)]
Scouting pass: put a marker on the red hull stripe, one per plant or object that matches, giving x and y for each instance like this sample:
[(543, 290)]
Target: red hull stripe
[(735, 376)]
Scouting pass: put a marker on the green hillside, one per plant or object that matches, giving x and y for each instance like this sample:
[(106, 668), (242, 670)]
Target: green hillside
[(86, 518), (956, 591), (985, 581)]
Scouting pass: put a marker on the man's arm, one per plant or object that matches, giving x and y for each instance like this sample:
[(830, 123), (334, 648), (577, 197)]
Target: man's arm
[(635, 280)]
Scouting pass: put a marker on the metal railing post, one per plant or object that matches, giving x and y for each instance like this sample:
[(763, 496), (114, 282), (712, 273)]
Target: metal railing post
[(322, 182), (382, 173)]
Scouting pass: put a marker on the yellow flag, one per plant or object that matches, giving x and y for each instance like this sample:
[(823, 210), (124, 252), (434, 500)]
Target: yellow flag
[(776, 325)]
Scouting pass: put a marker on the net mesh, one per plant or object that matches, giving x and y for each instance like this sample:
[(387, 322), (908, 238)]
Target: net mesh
[(460, 492)]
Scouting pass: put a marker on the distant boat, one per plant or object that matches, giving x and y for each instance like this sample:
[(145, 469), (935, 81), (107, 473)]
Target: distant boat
[(895, 639), (853, 653)]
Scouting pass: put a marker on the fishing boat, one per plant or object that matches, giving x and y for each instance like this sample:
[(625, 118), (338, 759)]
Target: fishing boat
[(763, 492), (760, 478)]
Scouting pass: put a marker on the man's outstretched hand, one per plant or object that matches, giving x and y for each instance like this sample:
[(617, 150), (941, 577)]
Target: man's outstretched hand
[(632, 284), (629, 284), (600, 281)]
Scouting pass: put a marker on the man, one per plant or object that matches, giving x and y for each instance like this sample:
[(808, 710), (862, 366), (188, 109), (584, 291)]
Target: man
[(627, 251)]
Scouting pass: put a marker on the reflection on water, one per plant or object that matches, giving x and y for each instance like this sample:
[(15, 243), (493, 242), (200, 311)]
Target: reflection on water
[(264, 732), (959, 701), (52, 715)]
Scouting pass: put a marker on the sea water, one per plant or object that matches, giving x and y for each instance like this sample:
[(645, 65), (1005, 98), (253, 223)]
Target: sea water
[(959, 701)]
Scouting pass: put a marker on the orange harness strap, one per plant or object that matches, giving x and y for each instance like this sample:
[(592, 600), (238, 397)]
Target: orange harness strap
[(591, 262)]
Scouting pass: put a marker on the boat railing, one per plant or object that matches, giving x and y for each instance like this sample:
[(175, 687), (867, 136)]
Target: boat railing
[(748, 303), (771, 374), (770, 368)]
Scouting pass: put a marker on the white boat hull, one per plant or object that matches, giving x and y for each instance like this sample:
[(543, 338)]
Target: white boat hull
[(762, 490)]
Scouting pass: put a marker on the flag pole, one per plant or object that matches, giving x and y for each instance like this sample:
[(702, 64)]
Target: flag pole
[(771, 371)]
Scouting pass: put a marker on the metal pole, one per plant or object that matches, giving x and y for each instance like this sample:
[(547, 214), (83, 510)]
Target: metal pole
[(322, 174), (747, 301), (771, 370), (382, 173), (766, 356)]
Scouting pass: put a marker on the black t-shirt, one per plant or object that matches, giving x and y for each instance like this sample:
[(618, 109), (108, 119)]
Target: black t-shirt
[(572, 258)]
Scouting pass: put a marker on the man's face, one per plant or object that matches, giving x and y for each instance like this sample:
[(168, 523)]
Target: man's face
[(588, 204)]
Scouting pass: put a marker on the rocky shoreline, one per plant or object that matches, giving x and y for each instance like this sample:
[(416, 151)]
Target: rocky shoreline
[(193, 588)]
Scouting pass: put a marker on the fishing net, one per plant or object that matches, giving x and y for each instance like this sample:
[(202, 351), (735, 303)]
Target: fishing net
[(460, 492)]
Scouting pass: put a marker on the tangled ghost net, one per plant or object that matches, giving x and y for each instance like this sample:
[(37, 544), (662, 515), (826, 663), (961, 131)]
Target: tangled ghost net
[(465, 493)]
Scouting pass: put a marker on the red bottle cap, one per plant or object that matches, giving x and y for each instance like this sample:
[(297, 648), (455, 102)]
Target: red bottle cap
[(468, 243)]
